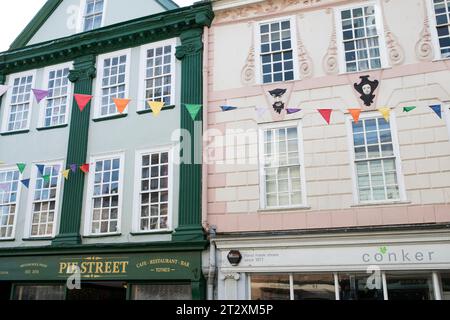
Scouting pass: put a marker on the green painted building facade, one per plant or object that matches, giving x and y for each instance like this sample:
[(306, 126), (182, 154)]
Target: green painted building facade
[(137, 262)]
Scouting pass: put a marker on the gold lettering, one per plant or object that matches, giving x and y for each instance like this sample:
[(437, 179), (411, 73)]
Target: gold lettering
[(124, 266), (99, 268), (116, 267), (62, 267), (108, 267)]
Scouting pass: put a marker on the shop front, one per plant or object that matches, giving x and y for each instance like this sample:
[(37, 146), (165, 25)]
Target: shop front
[(401, 265), (103, 276)]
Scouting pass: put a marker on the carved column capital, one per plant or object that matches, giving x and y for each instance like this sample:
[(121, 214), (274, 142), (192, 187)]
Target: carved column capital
[(191, 43), (84, 69), (230, 276)]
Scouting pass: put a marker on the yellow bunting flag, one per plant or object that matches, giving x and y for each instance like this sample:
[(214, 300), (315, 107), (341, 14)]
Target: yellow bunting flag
[(66, 173), (121, 104), (156, 107), (385, 112), (355, 114)]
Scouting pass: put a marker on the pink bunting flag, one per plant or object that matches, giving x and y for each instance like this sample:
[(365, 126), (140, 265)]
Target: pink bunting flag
[(40, 94), (82, 100), (326, 114)]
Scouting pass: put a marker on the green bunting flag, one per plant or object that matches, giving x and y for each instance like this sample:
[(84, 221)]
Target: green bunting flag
[(408, 109), (193, 110), (21, 167), (46, 178)]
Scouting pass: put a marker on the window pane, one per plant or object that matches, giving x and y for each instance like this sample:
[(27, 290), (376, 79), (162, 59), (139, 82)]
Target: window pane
[(356, 287), (270, 287), (410, 286), (314, 287), (445, 278), (161, 292), (25, 292)]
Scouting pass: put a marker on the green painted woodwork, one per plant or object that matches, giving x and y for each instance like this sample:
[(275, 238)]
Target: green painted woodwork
[(161, 266), (119, 36), (12, 133), (151, 111), (72, 203), (37, 22), (114, 117), (190, 53)]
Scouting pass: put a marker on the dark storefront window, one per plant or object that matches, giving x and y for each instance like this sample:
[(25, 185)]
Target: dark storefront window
[(314, 287), (445, 277), (161, 292), (109, 291), (355, 287), (39, 292), (270, 287), (5, 291), (410, 286)]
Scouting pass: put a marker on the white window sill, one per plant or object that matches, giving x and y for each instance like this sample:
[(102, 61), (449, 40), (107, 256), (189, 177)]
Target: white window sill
[(381, 203), (102, 235), (151, 232), (269, 210)]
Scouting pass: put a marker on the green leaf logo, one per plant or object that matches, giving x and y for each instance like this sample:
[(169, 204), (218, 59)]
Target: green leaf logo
[(383, 250)]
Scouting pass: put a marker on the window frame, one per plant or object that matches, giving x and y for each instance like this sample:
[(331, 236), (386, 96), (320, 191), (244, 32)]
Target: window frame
[(381, 37), (434, 35), (30, 200), (88, 212), (47, 70), (446, 114), (262, 181), (175, 65), (136, 216), (398, 162), (17, 203), (294, 40), (83, 15), (99, 79), (7, 100)]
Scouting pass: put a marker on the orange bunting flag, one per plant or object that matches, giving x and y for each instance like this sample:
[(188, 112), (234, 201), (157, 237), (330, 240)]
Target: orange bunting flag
[(82, 100), (326, 114), (121, 104), (385, 112), (355, 114), (156, 107), (85, 168)]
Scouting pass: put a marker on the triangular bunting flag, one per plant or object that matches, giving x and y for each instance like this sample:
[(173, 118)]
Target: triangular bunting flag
[(437, 109), (355, 114), (326, 114), (193, 110), (3, 89), (26, 183), (261, 111), (82, 100), (228, 108), (292, 110), (156, 107), (21, 167), (46, 178), (408, 109), (40, 168), (40, 94), (73, 167), (385, 112), (121, 104), (66, 174), (85, 168)]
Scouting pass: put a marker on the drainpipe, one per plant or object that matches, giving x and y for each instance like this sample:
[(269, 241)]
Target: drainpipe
[(212, 263)]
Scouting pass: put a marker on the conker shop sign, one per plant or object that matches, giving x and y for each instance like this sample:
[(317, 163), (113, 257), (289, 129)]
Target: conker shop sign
[(99, 267)]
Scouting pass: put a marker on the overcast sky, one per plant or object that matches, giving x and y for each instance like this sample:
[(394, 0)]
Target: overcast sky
[(15, 15)]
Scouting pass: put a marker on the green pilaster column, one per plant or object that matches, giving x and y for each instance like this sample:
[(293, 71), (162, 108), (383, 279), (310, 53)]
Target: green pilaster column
[(72, 203), (190, 52)]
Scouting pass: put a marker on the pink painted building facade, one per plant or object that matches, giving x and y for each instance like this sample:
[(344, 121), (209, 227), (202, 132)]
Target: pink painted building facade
[(316, 209)]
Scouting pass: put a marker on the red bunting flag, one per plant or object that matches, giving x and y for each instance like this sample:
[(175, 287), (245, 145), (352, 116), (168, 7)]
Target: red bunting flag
[(85, 168), (355, 114), (82, 100), (121, 104), (326, 114)]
